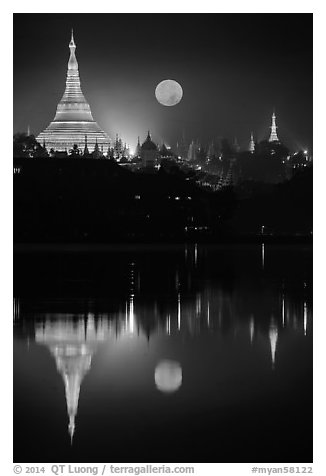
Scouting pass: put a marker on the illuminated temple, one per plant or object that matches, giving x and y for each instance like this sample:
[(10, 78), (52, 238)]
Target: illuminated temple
[(73, 122)]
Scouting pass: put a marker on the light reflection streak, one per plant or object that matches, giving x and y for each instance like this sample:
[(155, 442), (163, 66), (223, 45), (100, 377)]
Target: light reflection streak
[(305, 318), (131, 314), (273, 337), (252, 328), (179, 311), (168, 324), (198, 303), (16, 309)]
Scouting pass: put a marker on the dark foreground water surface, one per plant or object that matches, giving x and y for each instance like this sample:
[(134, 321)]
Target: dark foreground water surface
[(163, 354)]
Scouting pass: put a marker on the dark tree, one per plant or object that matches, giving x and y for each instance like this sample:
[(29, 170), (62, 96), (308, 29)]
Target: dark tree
[(27, 146), (74, 152)]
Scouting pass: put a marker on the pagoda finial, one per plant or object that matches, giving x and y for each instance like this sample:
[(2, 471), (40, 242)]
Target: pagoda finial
[(72, 41), (72, 63), (71, 428)]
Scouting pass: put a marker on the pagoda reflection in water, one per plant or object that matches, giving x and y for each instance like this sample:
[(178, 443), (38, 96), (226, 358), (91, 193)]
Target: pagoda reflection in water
[(72, 347), (73, 339)]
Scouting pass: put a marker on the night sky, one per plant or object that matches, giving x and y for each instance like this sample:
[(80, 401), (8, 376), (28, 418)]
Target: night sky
[(233, 68)]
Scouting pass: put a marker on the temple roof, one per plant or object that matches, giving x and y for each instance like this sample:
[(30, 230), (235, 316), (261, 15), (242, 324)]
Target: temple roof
[(149, 144)]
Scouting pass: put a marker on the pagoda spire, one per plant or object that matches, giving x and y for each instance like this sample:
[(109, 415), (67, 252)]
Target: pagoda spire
[(96, 152), (273, 137), (86, 151), (252, 144), (72, 42), (138, 148)]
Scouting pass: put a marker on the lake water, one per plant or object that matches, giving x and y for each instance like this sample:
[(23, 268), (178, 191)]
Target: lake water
[(163, 354)]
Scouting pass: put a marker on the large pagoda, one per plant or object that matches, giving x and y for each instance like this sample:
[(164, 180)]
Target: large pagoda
[(73, 120)]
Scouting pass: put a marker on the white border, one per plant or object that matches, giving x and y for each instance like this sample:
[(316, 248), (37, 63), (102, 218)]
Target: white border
[(241, 6)]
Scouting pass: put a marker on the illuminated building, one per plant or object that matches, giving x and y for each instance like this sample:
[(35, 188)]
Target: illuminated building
[(126, 151), (252, 144), (273, 137), (226, 178), (149, 152), (73, 119), (118, 148), (166, 152)]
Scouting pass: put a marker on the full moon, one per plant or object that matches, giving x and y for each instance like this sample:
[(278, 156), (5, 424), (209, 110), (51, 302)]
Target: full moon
[(168, 92), (168, 376)]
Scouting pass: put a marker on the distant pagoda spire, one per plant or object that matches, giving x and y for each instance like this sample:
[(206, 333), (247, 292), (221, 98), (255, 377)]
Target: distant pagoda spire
[(273, 137), (96, 153), (73, 118), (138, 148), (86, 151), (252, 144)]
